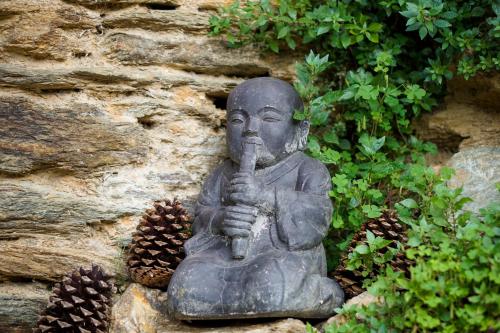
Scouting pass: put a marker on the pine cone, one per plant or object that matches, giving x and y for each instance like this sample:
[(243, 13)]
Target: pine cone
[(385, 226), (157, 245), (79, 304)]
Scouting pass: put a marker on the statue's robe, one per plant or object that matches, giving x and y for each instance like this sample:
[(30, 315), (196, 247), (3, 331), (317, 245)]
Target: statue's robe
[(284, 271)]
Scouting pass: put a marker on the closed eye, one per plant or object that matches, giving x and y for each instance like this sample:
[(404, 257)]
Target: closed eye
[(236, 117), (236, 121), (271, 116), (271, 119)]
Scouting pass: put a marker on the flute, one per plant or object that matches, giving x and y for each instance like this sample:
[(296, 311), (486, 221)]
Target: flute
[(239, 245)]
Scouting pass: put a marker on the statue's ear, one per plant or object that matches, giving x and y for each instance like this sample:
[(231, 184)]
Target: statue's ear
[(302, 132)]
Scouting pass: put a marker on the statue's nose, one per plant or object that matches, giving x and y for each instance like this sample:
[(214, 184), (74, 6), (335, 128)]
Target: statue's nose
[(252, 127)]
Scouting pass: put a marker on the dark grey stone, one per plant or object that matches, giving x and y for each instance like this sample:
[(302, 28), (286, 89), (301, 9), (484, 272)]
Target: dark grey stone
[(260, 219)]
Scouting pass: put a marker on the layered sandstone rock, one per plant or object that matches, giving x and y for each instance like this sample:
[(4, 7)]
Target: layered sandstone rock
[(105, 106)]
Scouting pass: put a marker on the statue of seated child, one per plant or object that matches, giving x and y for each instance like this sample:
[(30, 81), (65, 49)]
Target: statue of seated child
[(260, 219)]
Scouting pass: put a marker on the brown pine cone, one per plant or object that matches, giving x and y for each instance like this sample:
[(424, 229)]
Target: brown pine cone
[(80, 303), (386, 226), (157, 245)]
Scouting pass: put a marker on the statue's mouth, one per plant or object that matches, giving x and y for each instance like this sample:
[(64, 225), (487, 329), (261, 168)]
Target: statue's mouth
[(255, 140)]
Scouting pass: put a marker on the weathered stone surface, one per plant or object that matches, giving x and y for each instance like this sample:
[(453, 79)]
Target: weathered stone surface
[(74, 140), (137, 311), (20, 304), (363, 299), (477, 170), (467, 130), (482, 91), (158, 20), (49, 257), (459, 126), (34, 206), (50, 39), (108, 79), (165, 4), (104, 3), (182, 51), (46, 44), (45, 12)]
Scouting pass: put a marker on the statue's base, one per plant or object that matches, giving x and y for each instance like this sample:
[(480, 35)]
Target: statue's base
[(249, 315)]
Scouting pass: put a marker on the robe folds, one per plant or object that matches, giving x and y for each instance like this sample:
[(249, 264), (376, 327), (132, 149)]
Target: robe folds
[(284, 271)]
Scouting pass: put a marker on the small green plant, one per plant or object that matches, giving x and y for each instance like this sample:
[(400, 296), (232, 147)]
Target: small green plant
[(454, 285), (366, 256), (122, 279)]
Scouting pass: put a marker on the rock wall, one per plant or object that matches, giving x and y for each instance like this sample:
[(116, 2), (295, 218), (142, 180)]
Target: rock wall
[(105, 106), (466, 130)]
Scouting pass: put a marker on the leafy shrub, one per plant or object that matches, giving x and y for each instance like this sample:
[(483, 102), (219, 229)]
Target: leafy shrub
[(372, 68), (455, 283)]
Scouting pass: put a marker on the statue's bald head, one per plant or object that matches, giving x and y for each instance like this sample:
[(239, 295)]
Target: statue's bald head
[(264, 107), (266, 90)]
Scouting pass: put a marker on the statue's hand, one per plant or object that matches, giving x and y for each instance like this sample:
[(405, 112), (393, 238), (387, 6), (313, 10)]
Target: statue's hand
[(238, 220), (248, 190)]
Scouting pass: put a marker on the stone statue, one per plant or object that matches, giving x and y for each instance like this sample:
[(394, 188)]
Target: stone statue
[(260, 219)]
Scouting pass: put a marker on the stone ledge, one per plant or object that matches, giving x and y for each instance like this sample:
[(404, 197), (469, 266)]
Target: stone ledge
[(136, 310), (108, 78), (158, 20)]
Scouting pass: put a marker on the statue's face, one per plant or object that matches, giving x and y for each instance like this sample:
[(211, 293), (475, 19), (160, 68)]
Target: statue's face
[(263, 109)]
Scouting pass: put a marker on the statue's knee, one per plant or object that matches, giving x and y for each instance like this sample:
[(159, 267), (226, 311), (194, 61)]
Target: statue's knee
[(264, 289)]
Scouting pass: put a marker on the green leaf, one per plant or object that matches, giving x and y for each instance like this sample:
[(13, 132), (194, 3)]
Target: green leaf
[(367, 92), (370, 237), (273, 45), (261, 21), (375, 27), (319, 118), (331, 137), (449, 15), (372, 37), (291, 42), (337, 222), (409, 203), (322, 30), (442, 24), (345, 144), (313, 145), (362, 249), (345, 39), (371, 211), (371, 144), (414, 26), (341, 183), (330, 156), (283, 32), (298, 115), (422, 32), (347, 94)]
